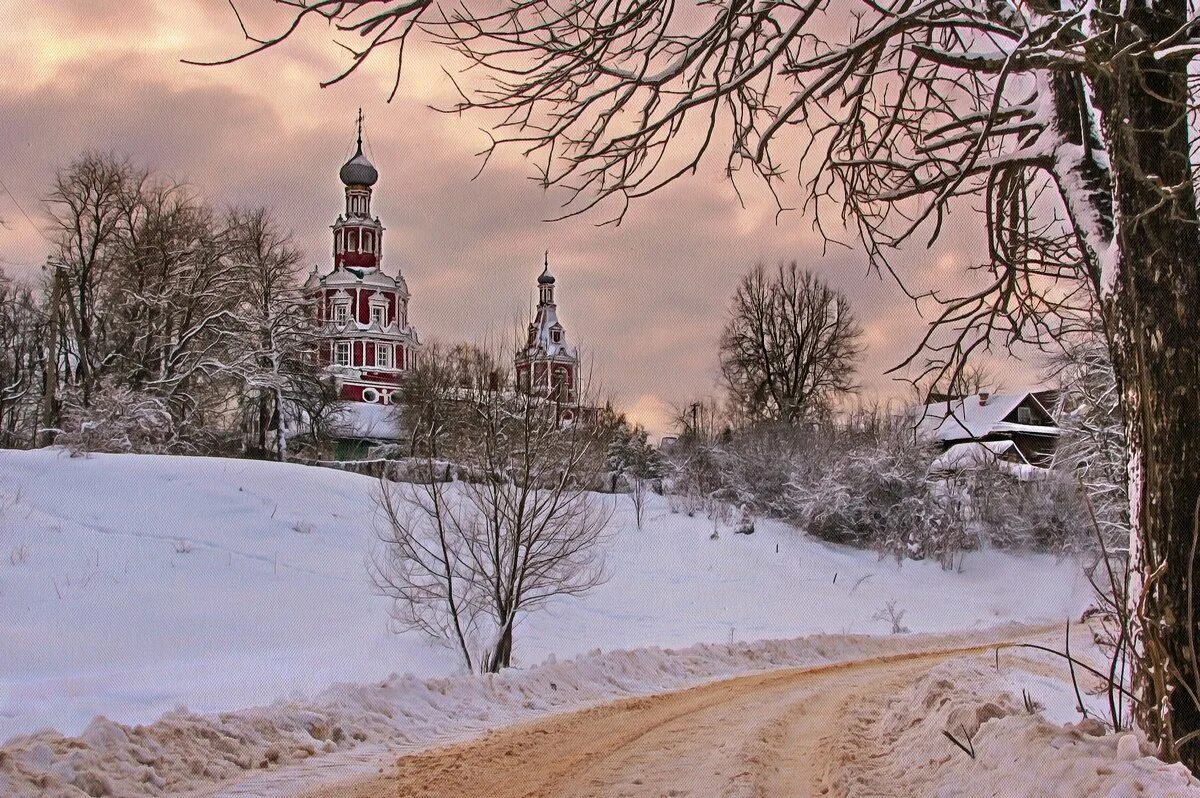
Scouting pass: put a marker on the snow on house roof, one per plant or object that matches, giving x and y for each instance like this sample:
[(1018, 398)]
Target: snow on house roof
[(975, 453), (968, 417), (366, 421), (1005, 456)]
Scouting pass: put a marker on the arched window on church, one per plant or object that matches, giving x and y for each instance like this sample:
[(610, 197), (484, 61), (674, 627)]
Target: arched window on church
[(353, 242)]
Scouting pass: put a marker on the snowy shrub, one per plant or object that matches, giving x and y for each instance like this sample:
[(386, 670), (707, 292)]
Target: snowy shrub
[(865, 482), (875, 494), (421, 470), (118, 419), (1043, 514), (893, 616)]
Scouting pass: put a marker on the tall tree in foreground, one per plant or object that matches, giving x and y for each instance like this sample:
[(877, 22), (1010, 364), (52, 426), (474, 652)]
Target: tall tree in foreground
[(790, 347), (1067, 123)]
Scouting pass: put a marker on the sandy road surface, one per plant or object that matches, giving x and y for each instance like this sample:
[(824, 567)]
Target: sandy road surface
[(782, 733)]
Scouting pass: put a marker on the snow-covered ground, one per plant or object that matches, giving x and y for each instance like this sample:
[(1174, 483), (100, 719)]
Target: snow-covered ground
[(131, 585), (1017, 754)]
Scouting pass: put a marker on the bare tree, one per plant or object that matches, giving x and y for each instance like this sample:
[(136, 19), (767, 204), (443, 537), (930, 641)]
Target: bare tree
[(424, 564), (86, 207), (790, 347), (1068, 124), (155, 291), (22, 355), (280, 381), (433, 392), (522, 530)]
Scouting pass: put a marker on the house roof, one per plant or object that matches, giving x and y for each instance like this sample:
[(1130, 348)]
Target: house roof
[(969, 418), (1006, 456)]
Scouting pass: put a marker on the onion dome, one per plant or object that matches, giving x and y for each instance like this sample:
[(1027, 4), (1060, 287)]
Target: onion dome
[(358, 171), (546, 278)]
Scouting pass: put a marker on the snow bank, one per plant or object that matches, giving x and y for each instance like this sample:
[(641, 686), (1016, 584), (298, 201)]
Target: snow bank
[(185, 751), (1017, 754), (134, 584)]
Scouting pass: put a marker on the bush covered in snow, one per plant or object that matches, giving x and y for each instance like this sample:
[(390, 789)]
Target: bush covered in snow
[(867, 483), (117, 419), (877, 493), (1043, 514)]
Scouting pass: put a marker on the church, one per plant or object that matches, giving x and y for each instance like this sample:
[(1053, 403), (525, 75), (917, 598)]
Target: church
[(368, 341)]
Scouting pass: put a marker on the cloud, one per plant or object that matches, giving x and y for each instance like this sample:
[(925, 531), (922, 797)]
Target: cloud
[(647, 299)]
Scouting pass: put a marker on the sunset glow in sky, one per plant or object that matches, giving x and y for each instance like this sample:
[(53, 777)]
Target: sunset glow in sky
[(646, 300)]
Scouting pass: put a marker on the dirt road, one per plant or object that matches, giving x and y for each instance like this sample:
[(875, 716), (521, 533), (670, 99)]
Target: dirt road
[(771, 735)]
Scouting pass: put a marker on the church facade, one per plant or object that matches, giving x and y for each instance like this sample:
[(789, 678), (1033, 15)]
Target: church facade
[(367, 341), (548, 365)]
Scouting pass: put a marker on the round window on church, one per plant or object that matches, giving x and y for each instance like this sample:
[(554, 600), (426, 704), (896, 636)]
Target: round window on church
[(370, 395)]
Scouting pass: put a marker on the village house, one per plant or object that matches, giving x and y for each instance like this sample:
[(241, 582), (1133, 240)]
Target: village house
[(1016, 430)]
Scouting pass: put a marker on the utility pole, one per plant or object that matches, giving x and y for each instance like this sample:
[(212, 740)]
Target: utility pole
[(49, 414)]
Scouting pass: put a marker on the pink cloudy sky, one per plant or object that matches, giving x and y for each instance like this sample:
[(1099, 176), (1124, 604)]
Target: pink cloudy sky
[(646, 299)]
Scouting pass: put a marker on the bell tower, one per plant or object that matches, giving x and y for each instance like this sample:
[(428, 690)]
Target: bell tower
[(368, 342), (357, 235), (548, 365)]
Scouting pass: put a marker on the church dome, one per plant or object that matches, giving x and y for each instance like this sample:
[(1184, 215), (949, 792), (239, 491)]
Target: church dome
[(546, 278), (358, 171)]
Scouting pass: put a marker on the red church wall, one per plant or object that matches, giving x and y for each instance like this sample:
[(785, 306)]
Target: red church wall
[(387, 377)]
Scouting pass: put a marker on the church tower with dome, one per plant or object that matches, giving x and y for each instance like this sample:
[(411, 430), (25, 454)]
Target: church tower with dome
[(367, 342), (548, 365)]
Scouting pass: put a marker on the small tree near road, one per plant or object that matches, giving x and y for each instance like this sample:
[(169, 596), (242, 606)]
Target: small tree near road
[(464, 561)]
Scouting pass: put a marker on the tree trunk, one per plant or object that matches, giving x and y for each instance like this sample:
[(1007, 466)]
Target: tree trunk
[(1152, 314), (501, 656), (48, 414)]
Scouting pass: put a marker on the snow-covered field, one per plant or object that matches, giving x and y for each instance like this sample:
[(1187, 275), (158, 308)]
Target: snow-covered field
[(131, 585)]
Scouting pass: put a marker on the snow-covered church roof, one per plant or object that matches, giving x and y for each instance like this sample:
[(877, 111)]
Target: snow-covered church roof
[(547, 336), (367, 421)]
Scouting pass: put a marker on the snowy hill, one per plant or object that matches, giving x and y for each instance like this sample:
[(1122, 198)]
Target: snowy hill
[(130, 585)]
